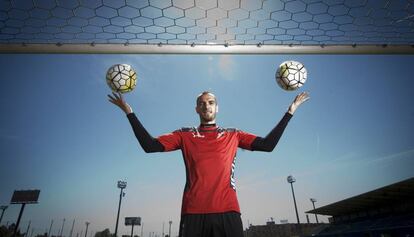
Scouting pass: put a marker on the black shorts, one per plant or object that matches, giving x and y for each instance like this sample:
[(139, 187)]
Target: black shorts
[(226, 224)]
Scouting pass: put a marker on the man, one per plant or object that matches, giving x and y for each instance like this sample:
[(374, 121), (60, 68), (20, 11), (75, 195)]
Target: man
[(209, 206)]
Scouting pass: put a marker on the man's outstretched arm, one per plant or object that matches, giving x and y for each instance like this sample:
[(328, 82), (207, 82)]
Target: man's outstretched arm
[(269, 142), (148, 143)]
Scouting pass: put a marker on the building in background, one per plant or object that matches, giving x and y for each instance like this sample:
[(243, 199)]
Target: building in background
[(271, 229), (387, 211)]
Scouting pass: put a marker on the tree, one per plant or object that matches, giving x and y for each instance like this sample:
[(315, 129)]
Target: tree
[(8, 231), (104, 233)]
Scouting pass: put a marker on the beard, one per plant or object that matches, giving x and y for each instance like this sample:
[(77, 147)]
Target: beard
[(207, 116)]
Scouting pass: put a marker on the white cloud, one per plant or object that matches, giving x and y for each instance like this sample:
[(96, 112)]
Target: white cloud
[(398, 155), (222, 66)]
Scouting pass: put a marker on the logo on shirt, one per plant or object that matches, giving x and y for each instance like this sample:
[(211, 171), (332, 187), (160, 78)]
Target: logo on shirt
[(232, 180), (196, 133)]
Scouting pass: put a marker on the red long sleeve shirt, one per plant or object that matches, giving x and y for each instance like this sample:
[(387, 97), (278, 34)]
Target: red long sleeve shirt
[(209, 156)]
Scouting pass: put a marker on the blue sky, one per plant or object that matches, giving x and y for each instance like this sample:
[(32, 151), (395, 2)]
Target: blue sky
[(59, 134)]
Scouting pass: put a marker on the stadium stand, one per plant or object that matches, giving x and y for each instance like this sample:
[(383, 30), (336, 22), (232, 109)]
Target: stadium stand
[(284, 230), (387, 211)]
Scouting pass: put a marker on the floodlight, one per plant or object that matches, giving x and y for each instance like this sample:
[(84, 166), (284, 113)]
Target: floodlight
[(169, 229), (313, 200), (122, 184), (87, 225), (291, 179)]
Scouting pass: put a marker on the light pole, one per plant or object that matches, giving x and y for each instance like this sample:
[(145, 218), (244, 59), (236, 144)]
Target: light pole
[(313, 200), (3, 209), (169, 231), (121, 185), (132, 231), (291, 180), (86, 231), (63, 224), (51, 224), (71, 230), (28, 227)]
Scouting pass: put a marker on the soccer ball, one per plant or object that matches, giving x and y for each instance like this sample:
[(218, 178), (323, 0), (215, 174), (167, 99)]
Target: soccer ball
[(121, 78), (291, 75)]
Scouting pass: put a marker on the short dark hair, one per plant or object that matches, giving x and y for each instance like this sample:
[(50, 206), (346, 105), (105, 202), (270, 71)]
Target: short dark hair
[(204, 93)]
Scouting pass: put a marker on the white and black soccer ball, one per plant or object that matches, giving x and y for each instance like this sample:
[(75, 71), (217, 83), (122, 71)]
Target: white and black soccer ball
[(121, 78), (291, 75)]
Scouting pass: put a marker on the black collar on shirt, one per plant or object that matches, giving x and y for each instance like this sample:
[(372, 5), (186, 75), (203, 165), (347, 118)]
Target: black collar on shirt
[(208, 127)]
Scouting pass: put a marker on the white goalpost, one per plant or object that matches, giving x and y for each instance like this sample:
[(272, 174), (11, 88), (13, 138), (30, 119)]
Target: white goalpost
[(204, 49)]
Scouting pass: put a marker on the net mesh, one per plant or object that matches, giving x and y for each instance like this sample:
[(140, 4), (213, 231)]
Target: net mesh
[(205, 22)]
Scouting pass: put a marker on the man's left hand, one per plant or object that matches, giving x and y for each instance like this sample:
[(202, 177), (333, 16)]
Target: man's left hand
[(299, 99)]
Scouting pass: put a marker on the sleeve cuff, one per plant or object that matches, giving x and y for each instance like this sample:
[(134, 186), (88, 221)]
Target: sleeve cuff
[(288, 116)]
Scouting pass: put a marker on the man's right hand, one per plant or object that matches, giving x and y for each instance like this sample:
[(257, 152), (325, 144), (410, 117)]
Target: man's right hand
[(118, 100)]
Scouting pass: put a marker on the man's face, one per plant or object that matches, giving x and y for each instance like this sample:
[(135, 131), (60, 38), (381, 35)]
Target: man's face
[(207, 108)]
